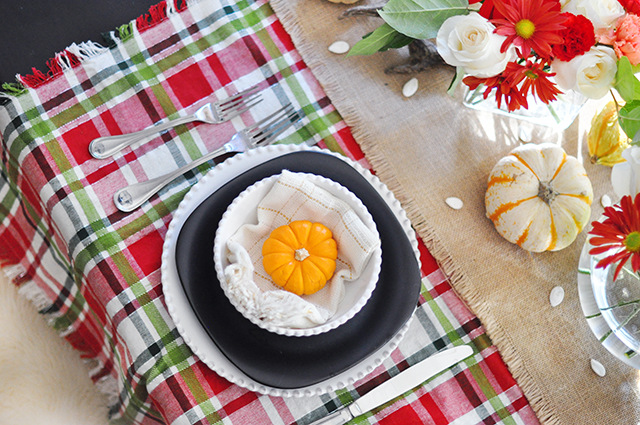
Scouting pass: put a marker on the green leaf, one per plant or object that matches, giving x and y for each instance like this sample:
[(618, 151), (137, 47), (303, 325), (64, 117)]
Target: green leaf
[(383, 38), (629, 118), (421, 18), (398, 41), (625, 80), (627, 83)]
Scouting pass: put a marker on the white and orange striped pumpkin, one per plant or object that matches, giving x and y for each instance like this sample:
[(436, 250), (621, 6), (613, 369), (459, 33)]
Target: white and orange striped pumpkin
[(538, 197)]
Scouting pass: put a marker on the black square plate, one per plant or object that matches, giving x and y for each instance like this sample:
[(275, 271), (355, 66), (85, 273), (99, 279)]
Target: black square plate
[(295, 362)]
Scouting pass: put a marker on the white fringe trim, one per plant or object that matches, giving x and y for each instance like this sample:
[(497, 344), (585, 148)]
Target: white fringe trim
[(108, 386), (87, 50), (29, 290), (35, 295), (13, 272)]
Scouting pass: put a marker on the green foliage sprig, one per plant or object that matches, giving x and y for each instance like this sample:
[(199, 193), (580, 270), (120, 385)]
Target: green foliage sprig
[(406, 20)]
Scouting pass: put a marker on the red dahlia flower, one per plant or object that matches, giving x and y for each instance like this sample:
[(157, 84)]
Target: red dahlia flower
[(534, 78), (530, 25), (619, 231), (578, 37), (505, 91)]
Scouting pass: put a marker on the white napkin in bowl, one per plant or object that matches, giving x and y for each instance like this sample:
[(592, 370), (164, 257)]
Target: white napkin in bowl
[(293, 198)]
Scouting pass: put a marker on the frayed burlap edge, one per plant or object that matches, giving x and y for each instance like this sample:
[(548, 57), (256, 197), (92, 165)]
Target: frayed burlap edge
[(461, 283)]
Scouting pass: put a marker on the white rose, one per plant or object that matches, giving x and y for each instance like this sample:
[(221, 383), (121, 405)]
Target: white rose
[(469, 41), (601, 13), (591, 74), (625, 177)]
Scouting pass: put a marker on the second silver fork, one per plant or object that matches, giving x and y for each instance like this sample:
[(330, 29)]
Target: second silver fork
[(210, 113), (262, 133)]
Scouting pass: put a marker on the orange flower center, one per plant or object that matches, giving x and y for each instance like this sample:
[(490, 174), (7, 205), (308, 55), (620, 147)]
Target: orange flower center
[(632, 242), (525, 28)]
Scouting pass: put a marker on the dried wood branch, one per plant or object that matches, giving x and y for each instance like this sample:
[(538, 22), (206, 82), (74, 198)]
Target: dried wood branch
[(423, 54), (370, 10)]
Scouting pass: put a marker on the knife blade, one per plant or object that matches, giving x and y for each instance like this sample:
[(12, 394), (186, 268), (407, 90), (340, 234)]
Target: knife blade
[(398, 385)]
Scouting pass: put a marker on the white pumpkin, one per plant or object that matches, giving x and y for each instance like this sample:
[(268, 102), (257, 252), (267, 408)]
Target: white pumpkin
[(538, 197)]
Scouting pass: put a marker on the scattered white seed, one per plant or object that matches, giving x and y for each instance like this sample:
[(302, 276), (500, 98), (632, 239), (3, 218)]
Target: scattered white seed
[(454, 203), (410, 87), (598, 368), (556, 296), (339, 47), (605, 201)]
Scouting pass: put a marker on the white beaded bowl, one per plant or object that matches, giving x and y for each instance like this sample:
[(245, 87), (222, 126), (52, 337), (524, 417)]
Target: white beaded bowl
[(243, 210)]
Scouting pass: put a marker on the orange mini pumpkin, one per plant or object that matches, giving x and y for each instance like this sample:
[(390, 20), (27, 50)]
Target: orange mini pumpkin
[(300, 256)]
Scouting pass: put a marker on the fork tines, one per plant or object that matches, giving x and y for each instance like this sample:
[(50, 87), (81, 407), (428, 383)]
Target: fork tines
[(244, 96), (266, 130)]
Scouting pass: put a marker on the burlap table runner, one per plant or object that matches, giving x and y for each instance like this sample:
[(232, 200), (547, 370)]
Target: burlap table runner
[(430, 147)]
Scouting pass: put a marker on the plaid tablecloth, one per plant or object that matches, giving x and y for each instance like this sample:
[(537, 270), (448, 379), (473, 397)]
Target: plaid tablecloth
[(94, 271)]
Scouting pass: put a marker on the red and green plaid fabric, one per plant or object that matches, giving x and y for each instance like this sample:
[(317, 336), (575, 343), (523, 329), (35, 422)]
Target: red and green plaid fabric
[(98, 269)]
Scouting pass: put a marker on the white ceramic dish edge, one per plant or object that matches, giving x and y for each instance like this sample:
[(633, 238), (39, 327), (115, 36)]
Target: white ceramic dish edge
[(185, 319), (369, 275)]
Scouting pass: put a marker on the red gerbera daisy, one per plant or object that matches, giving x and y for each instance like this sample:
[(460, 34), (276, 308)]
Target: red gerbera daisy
[(619, 231), (530, 25), (534, 78)]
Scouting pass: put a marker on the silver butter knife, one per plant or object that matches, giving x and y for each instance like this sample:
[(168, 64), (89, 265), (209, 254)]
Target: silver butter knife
[(398, 385)]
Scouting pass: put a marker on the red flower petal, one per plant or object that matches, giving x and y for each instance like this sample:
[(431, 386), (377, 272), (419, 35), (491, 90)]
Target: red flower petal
[(543, 14)]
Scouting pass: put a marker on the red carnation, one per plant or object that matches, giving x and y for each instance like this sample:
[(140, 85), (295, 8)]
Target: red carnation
[(631, 6), (579, 37)]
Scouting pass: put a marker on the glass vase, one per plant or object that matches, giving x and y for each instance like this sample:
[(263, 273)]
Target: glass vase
[(558, 114), (618, 301)]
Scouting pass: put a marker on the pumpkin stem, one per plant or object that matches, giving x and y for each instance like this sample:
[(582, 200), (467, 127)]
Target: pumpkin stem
[(546, 192), (301, 254)]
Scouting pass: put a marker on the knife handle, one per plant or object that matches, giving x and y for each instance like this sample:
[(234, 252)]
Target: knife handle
[(338, 417)]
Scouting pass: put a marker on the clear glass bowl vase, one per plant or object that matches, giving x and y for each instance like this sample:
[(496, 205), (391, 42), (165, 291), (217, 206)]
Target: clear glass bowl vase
[(559, 114), (618, 301)]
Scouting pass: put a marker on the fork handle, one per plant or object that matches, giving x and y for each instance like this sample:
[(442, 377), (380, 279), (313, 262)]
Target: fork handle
[(104, 147), (131, 197)]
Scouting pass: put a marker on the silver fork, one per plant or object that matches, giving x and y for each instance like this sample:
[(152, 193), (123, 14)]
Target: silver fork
[(211, 113), (262, 133)]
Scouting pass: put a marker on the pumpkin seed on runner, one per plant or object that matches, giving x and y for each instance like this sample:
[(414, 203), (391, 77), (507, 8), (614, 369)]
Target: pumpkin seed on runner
[(598, 368), (556, 296), (455, 203), (410, 87), (339, 47)]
